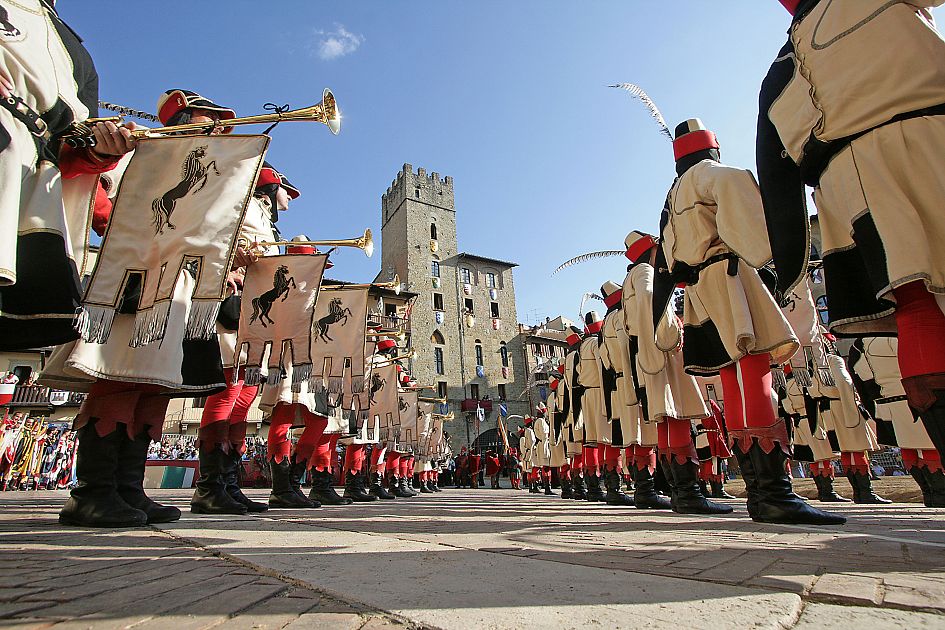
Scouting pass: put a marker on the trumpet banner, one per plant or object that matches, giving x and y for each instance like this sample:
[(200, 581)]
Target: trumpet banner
[(180, 206), (338, 349), (383, 401), (277, 316), (406, 430)]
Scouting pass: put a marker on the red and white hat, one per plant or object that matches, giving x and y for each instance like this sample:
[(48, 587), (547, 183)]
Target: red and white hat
[(386, 344), (300, 249), (637, 245), (592, 323), (612, 293), (173, 101), (294, 193), (691, 137), (268, 175), (790, 5), (575, 335)]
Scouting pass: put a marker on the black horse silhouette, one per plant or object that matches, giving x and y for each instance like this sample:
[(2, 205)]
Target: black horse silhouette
[(377, 384), (403, 405), (335, 314), (193, 172), (280, 288), (6, 28)]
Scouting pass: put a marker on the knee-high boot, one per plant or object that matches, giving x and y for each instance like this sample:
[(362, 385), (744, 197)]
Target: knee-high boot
[(129, 478), (95, 501)]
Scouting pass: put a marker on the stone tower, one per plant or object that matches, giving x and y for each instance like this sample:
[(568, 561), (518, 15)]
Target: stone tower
[(464, 316)]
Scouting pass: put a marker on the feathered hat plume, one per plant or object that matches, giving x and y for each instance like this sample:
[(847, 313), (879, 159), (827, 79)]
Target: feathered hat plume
[(637, 92)]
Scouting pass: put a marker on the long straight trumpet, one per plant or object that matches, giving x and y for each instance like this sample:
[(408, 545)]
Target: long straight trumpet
[(326, 112), (433, 400), (399, 335), (394, 285), (364, 243), (391, 360)]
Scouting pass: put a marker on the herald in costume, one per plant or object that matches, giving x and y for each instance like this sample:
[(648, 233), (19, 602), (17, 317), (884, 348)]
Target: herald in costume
[(732, 325), (222, 435), (149, 317), (672, 398), (875, 370), (868, 138), (820, 382), (43, 238)]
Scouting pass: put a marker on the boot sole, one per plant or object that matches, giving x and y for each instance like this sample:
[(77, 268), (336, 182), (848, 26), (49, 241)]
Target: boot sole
[(65, 520), (197, 510)]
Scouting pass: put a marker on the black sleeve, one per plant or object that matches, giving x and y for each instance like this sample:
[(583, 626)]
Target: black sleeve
[(782, 188)]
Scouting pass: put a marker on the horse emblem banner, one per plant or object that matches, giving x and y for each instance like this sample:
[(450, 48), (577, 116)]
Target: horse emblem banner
[(383, 401), (406, 431), (180, 206), (338, 348), (277, 315)]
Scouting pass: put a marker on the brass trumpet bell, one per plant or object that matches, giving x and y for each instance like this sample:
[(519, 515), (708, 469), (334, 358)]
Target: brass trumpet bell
[(399, 335), (393, 284), (326, 112), (365, 243)]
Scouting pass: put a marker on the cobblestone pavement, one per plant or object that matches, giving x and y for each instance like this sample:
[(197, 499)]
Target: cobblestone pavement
[(470, 559)]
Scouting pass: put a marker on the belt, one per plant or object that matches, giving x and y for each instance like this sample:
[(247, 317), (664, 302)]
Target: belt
[(26, 115), (890, 399), (690, 273), (618, 374)]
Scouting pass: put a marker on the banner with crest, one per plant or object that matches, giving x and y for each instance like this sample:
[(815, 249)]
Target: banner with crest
[(406, 429), (180, 206), (338, 348), (277, 317), (382, 405)]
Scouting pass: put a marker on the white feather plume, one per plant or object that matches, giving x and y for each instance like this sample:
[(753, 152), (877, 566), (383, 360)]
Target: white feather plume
[(637, 92), (607, 253)]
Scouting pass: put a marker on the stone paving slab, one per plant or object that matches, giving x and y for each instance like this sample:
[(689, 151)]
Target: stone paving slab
[(495, 559)]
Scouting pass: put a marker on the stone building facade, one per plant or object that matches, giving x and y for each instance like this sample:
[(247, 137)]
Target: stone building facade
[(540, 350), (463, 319)]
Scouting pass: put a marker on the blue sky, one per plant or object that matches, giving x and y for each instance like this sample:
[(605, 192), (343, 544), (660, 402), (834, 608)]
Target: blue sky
[(509, 98)]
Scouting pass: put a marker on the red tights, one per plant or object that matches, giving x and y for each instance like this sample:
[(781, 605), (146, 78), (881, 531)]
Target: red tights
[(675, 439), (823, 468), (323, 455), (925, 458), (354, 458), (746, 388), (640, 457), (591, 459), (921, 326), (223, 422), (282, 419), (855, 462)]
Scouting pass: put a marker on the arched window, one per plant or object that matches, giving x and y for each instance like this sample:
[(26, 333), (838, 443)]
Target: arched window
[(479, 360), (433, 231), (504, 353), (437, 338)]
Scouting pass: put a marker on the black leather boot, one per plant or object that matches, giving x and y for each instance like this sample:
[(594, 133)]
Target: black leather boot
[(825, 491), (718, 490), (644, 494), (615, 496), (377, 489), (436, 488), (566, 488), (354, 488), (919, 474), (286, 476), (211, 496), (594, 492), (423, 486), (579, 493), (929, 389), (323, 491), (547, 487), (129, 478), (770, 496), (95, 501), (234, 463), (688, 495), (703, 487), (399, 488), (863, 489), (404, 484), (533, 487), (936, 483)]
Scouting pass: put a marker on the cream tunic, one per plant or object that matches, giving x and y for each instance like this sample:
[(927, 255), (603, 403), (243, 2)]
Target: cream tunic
[(669, 390), (879, 361), (716, 210), (857, 65), (542, 430), (596, 428), (574, 423), (615, 355)]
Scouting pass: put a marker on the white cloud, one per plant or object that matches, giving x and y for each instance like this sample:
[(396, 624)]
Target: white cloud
[(337, 43)]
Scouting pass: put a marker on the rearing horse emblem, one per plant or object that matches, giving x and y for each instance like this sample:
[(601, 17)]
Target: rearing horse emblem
[(193, 172), (336, 313), (281, 280), (377, 384)]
